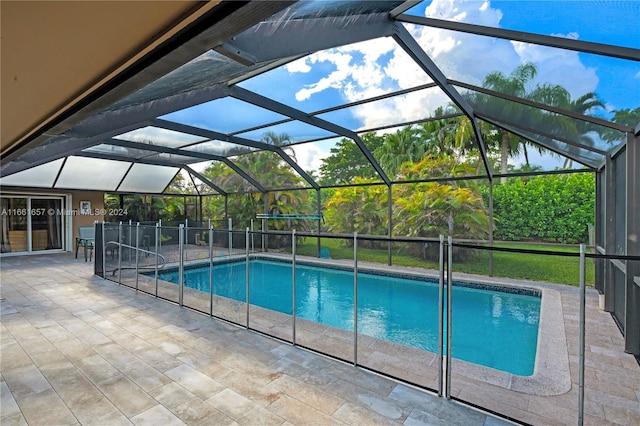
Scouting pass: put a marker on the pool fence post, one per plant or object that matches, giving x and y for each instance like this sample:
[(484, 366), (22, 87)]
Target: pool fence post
[(120, 252), (210, 269), (293, 285), (129, 241), (159, 236), (389, 224), (265, 223), (95, 242), (157, 254), (181, 264), (137, 251), (246, 244), (355, 299), (319, 227), (186, 237), (441, 316), (104, 251), (581, 337), (491, 227), (252, 239), (230, 235), (449, 310)]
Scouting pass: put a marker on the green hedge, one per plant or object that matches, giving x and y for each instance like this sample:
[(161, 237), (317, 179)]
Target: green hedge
[(553, 208)]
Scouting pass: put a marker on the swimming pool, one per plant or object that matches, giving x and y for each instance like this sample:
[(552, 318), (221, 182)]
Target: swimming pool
[(494, 327)]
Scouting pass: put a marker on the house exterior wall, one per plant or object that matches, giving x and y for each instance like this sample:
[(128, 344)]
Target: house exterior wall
[(73, 217), (96, 200)]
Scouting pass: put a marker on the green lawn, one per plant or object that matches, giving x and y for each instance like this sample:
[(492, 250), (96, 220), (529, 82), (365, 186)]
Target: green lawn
[(556, 269)]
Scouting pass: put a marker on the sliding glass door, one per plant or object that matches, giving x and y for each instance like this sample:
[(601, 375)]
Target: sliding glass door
[(29, 224), (46, 228)]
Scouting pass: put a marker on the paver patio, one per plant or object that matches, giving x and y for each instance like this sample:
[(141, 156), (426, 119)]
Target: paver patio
[(77, 349)]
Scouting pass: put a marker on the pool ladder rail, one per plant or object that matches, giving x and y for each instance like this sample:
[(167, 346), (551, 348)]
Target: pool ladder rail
[(158, 255)]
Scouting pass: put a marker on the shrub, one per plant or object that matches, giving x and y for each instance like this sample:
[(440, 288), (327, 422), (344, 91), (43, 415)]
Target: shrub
[(553, 208)]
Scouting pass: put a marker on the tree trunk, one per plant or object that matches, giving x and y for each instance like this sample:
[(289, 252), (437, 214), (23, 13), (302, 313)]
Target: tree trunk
[(504, 155)]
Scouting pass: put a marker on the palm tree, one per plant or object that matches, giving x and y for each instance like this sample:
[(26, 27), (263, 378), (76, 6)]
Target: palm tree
[(455, 137), (428, 209), (281, 140), (628, 117), (584, 105), (435, 133), (272, 172), (400, 147), (514, 84), (580, 130)]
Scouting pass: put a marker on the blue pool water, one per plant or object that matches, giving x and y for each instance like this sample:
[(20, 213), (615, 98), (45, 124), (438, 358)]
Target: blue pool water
[(492, 328)]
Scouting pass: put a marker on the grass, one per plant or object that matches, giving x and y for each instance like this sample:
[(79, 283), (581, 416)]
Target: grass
[(554, 269)]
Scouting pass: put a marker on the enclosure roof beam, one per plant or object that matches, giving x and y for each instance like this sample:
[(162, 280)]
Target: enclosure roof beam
[(388, 126), (148, 110), (404, 7), (205, 180), (517, 132), (527, 102), (376, 98), (60, 147), (221, 21), (297, 168), (409, 44), (109, 124), (270, 104), (340, 107), (209, 134), (543, 40), (174, 151), (541, 133), (276, 39), (237, 140), (124, 158)]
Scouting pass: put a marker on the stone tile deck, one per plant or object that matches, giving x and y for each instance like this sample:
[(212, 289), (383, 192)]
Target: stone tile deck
[(77, 349)]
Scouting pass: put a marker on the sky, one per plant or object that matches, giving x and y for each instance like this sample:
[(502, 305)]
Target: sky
[(371, 68)]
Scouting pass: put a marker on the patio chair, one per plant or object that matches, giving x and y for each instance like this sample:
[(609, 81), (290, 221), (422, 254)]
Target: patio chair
[(324, 253), (86, 237)]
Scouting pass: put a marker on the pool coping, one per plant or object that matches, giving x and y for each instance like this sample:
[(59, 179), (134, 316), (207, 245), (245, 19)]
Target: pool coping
[(551, 374)]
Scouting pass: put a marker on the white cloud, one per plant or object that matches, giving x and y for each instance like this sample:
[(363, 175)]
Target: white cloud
[(367, 74), (334, 79), (309, 155), (559, 66), (465, 11), (299, 65), (463, 56), (405, 71)]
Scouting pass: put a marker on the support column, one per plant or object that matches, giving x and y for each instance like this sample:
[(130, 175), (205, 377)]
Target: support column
[(390, 223), (598, 227), (609, 233), (632, 312), (319, 211)]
